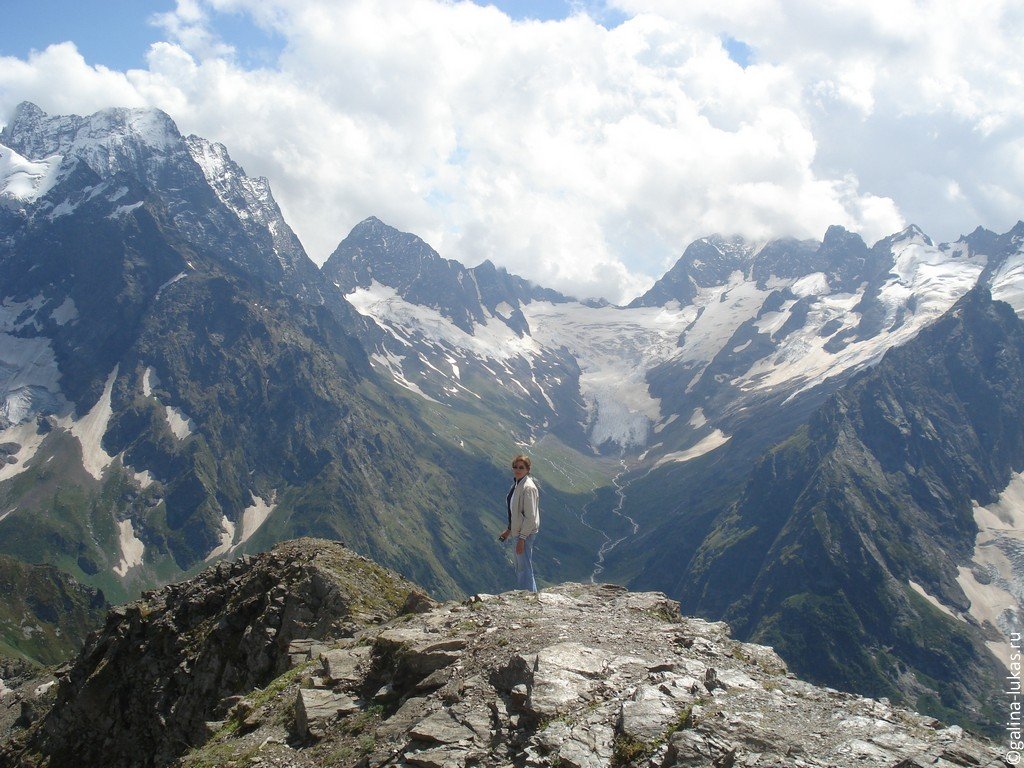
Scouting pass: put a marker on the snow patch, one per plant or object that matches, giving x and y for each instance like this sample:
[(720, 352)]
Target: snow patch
[(65, 313), (149, 380), (393, 364), (233, 536), (999, 556), (132, 548), (709, 443), (90, 430), (407, 321), (27, 436), (811, 285), (124, 210), (504, 310), (63, 208), (934, 601), (227, 536), (254, 517), (665, 423), (26, 180), (1008, 282), (172, 281), (144, 478), (181, 425)]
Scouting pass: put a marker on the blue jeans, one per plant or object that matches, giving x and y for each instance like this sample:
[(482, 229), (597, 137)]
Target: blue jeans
[(524, 565)]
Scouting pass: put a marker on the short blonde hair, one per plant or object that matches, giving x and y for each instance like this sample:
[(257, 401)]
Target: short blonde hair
[(524, 459)]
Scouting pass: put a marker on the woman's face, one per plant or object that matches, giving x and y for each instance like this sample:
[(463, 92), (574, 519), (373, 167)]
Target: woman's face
[(519, 470)]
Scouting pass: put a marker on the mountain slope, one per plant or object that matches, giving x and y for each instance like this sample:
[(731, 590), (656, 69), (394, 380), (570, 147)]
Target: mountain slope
[(851, 545), (45, 615), (185, 385)]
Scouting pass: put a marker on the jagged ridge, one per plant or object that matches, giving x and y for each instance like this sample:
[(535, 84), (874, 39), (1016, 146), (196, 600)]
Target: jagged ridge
[(579, 675)]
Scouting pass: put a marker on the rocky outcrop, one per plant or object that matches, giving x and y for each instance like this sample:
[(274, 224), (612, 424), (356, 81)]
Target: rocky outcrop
[(578, 675), (144, 687)]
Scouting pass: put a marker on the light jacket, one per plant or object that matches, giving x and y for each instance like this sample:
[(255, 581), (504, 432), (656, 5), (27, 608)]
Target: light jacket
[(525, 506)]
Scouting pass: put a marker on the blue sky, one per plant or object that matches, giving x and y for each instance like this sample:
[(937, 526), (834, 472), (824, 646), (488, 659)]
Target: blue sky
[(585, 151), (114, 33), (117, 33)]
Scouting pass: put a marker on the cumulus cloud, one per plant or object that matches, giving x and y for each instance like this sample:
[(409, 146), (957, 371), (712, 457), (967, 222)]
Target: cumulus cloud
[(582, 157)]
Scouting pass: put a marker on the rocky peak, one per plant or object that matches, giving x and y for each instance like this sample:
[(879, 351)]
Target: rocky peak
[(161, 667), (107, 141), (251, 200), (376, 252), (577, 675), (708, 261)]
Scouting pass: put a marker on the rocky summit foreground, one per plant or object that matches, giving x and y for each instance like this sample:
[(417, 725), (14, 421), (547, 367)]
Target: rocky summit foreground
[(578, 675)]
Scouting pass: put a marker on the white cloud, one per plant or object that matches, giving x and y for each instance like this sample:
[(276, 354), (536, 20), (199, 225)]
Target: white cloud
[(582, 157)]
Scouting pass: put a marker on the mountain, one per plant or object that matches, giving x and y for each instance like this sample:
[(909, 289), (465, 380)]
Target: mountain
[(735, 336), (734, 351), (456, 335), (44, 614), (583, 675), (183, 384), (864, 547)]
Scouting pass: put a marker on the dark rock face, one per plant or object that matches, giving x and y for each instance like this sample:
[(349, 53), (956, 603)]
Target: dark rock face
[(877, 492), (144, 687), (583, 675)]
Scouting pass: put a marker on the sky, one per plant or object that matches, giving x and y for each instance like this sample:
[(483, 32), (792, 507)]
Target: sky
[(581, 144)]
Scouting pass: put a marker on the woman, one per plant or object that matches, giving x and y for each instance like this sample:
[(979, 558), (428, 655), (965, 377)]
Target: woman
[(523, 503)]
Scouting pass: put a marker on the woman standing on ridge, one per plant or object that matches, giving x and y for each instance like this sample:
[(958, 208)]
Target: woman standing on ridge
[(523, 503)]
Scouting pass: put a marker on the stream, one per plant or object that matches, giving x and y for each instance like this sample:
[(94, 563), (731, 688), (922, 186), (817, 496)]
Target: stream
[(610, 543)]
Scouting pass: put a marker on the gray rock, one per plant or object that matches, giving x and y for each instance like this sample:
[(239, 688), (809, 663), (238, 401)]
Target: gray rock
[(579, 745), (583, 675), (441, 728), (690, 748), (560, 675), (341, 665), (438, 758), (314, 709), (647, 719)]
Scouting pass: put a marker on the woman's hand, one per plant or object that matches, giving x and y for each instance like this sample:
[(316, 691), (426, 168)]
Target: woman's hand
[(505, 535), (520, 546)]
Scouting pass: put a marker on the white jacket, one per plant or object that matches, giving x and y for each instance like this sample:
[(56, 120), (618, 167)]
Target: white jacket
[(525, 507)]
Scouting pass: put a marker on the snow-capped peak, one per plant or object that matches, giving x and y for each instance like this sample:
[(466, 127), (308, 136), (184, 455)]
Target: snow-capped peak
[(105, 141)]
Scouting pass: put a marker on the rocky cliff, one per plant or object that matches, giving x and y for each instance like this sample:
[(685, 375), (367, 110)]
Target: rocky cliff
[(312, 673), (144, 687)]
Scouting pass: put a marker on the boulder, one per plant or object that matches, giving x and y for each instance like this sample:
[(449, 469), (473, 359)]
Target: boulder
[(315, 709)]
